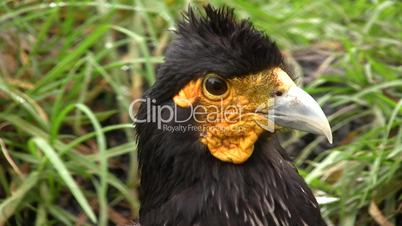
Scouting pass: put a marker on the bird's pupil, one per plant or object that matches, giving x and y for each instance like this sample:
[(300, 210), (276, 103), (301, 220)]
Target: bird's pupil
[(216, 86)]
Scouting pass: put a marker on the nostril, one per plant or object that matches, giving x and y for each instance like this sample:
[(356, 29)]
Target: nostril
[(278, 93)]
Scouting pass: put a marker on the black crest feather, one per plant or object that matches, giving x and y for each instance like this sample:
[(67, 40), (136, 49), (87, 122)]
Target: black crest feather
[(213, 41)]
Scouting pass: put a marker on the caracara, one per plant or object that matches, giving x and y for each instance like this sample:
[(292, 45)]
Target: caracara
[(207, 146)]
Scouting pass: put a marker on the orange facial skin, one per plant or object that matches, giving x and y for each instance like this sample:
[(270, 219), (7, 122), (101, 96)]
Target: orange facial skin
[(231, 125)]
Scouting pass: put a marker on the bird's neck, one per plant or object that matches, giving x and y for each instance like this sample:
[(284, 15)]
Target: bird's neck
[(183, 184)]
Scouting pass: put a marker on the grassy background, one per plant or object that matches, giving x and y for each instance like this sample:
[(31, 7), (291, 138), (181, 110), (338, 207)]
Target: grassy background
[(69, 70)]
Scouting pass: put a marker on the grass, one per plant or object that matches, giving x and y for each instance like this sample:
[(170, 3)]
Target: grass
[(69, 70)]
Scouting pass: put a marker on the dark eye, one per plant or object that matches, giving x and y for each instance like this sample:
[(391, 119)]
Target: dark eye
[(215, 86)]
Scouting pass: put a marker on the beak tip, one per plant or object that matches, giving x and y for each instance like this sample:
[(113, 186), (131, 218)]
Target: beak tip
[(329, 138), (327, 132)]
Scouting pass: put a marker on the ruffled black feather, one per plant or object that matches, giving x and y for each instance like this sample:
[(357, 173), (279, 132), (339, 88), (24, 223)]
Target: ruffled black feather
[(214, 42)]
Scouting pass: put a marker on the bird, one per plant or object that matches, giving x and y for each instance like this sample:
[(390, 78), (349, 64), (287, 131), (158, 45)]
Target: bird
[(208, 149)]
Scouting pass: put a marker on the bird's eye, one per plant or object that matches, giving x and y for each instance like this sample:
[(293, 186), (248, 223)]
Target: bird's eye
[(215, 87)]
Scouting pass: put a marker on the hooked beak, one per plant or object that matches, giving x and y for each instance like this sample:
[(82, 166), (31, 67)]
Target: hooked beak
[(296, 109)]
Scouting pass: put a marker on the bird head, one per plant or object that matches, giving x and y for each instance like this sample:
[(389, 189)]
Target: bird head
[(231, 77)]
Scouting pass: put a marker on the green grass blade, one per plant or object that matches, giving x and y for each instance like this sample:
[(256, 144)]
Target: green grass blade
[(65, 63), (8, 206), (100, 137), (65, 176)]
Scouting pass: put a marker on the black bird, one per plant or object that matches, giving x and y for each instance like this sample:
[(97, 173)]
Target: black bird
[(207, 149)]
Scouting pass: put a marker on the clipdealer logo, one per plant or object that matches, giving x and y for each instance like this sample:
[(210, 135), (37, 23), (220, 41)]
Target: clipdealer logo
[(167, 116)]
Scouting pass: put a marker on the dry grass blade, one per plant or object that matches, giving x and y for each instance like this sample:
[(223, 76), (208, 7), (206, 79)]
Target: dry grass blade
[(378, 216), (10, 160)]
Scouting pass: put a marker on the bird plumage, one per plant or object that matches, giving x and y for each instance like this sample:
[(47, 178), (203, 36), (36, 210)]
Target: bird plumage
[(215, 42), (182, 184)]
